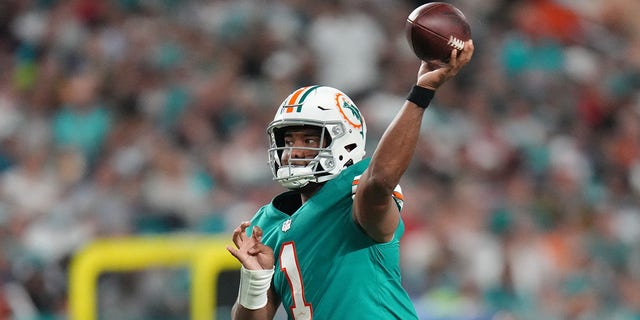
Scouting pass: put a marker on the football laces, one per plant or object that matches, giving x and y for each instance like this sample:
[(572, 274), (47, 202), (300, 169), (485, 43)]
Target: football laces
[(455, 43)]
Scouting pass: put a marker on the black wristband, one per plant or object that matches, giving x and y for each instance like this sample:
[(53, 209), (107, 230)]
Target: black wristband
[(421, 96)]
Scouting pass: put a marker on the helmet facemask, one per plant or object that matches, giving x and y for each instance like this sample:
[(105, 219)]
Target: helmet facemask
[(298, 172)]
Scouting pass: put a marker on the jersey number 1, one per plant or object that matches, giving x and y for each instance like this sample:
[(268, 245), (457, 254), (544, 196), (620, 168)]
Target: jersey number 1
[(301, 310)]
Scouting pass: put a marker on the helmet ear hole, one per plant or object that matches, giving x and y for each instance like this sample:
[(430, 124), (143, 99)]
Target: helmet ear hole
[(348, 163), (350, 147)]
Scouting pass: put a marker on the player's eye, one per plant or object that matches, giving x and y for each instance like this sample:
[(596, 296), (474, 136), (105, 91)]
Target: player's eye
[(288, 143), (312, 141)]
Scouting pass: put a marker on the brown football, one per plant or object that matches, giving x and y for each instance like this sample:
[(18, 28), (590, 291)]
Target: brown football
[(436, 28)]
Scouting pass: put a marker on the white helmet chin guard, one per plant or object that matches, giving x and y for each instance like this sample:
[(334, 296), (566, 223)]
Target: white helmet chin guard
[(343, 135)]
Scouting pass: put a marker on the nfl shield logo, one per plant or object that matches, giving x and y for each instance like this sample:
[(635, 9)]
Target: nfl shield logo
[(286, 225)]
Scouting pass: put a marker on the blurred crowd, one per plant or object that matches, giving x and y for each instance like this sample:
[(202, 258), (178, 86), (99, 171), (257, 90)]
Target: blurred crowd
[(134, 117)]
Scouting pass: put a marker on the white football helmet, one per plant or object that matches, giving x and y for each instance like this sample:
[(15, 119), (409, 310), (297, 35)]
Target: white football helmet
[(343, 135)]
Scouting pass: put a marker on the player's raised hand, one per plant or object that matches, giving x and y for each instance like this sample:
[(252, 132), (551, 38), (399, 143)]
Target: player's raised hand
[(433, 74), (250, 251)]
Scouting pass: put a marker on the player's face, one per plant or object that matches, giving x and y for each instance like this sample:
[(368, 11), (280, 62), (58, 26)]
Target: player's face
[(297, 140)]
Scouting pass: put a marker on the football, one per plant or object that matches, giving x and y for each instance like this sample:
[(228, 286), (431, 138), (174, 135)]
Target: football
[(436, 28)]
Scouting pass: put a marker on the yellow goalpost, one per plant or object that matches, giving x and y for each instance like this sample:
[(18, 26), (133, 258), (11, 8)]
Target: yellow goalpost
[(205, 257)]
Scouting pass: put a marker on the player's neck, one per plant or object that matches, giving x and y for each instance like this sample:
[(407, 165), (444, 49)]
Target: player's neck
[(309, 190)]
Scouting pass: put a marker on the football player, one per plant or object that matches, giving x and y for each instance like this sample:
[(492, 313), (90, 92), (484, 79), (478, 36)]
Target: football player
[(329, 247)]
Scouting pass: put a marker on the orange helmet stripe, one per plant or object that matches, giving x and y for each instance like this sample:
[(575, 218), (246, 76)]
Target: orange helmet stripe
[(295, 96)]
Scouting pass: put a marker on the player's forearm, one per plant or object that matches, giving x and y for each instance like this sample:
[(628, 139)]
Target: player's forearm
[(374, 209), (253, 303), (239, 312), (395, 149)]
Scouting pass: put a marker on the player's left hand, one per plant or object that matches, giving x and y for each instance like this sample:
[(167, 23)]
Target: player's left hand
[(250, 251), (433, 74)]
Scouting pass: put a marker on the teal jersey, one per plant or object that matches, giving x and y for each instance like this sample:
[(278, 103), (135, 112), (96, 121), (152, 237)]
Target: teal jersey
[(326, 266)]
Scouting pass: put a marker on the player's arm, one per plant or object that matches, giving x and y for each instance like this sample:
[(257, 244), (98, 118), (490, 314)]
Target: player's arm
[(374, 208), (238, 312), (256, 298)]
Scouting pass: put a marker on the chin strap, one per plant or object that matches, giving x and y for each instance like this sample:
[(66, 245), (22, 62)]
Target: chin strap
[(292, 177)]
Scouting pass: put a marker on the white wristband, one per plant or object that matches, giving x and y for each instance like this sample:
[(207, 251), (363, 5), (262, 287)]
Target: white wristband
[(252, 293)]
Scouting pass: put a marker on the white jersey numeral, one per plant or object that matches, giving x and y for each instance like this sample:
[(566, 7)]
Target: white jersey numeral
[(301, 309)]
